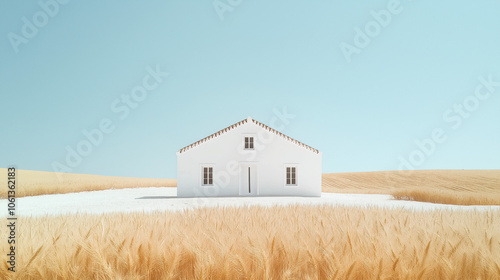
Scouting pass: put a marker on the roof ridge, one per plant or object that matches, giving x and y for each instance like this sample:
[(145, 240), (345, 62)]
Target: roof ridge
[(224, 130)]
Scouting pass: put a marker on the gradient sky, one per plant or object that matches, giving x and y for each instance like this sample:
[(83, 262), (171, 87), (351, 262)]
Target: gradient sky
[(365, 111)]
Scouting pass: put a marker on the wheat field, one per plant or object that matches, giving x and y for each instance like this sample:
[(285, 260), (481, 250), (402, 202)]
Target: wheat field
[(460, 187), (288, 242), (30, 183), (443, 196)]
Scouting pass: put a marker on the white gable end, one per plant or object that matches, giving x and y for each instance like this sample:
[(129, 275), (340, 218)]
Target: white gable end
[(248, 159)]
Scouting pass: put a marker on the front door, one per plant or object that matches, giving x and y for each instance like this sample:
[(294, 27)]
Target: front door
[(248, 179)]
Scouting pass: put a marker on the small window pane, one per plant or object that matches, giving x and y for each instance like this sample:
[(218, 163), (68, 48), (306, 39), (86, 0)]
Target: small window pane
[(207, 175), (291, 176), (249, 143)]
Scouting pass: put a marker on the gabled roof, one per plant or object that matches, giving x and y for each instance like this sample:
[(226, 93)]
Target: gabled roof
[(247, 120)]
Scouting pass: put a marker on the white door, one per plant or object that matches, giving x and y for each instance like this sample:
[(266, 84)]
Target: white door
[(248, 179)]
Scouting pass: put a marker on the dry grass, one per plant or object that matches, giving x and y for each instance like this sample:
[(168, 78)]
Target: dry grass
[(449, 197), (289, 242), (462, 187), (30, 183), (384, 182)]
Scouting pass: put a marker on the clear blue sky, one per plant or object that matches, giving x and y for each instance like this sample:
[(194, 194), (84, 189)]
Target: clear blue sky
[(363, 99)]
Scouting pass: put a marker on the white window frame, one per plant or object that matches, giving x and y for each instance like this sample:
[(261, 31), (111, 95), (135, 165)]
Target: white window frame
[(202, 174), (291, 165), (245, 136)]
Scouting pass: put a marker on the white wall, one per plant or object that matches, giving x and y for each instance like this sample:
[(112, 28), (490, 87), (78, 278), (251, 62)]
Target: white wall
[(226, 154)]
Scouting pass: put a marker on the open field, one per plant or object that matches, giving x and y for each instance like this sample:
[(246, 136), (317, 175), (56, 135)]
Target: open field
[(286, 242), (384, 182), (461, 187), (342, 236), (30, 183), (448, 196)]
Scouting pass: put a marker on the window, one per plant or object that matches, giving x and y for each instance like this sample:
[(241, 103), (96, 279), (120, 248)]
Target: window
[(291, 176), (249, 143), (208, 176)]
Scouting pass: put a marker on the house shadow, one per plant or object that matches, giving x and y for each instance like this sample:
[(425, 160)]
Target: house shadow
[(215, 197), (158, 197)]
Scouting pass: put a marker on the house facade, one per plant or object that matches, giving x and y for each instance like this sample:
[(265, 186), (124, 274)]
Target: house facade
[(248, 158)]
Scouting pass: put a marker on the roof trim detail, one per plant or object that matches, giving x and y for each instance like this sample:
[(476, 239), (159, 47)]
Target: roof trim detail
[(247, 120)]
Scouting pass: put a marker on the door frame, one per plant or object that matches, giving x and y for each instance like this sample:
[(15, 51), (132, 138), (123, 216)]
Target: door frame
[(254, 168)]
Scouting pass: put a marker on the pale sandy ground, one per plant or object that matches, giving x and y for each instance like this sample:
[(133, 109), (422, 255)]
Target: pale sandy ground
[(164, 199)]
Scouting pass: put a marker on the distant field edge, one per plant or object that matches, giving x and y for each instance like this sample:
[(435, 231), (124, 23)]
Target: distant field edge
[(32, 183), (459, 187), (452, 186)]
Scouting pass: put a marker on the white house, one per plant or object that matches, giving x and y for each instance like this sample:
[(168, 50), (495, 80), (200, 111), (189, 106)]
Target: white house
[(248, 158)]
